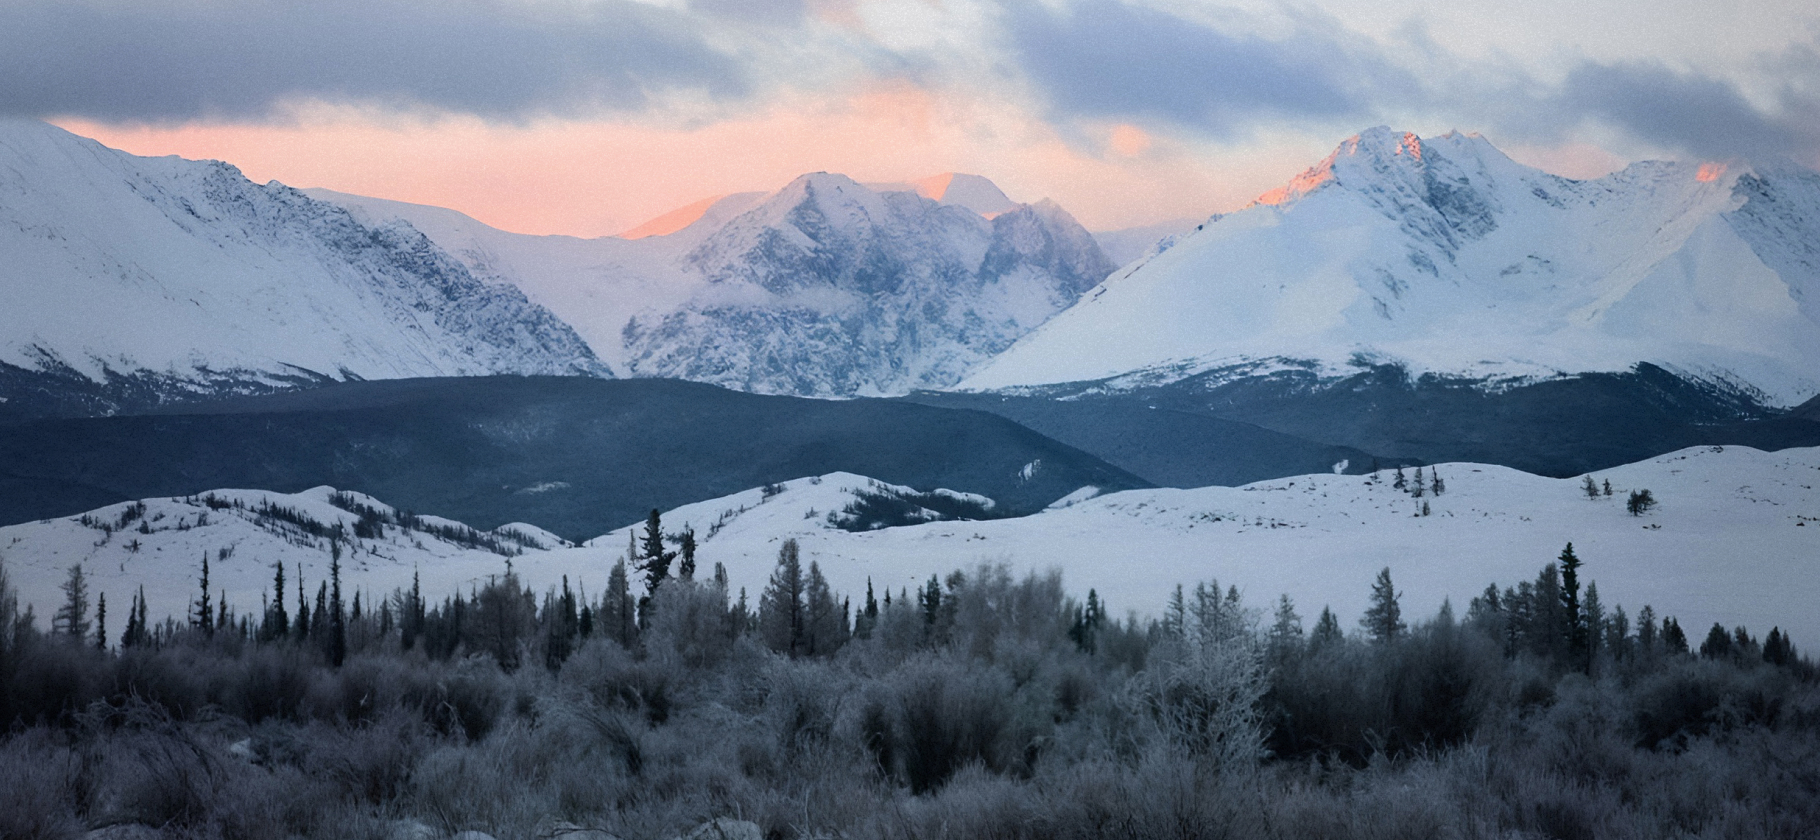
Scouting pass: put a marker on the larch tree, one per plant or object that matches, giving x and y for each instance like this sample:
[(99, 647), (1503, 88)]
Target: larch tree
[(71, 619), (1383, 621), (780, 607)]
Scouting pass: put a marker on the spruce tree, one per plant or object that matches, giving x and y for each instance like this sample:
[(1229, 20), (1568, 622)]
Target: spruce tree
[(338, 630), (300, 626), (1573, 624), (655, 561), (203, 618), (1420, 486), (1674, 639), (277, 622), (1435, 485), (1399, 482), (1718, 644), (1776, 649), (101, 622), (1383, 621), (1590, 487)]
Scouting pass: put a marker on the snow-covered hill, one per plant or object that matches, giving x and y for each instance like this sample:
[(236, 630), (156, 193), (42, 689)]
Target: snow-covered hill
[(1735, 539), (1445, 256), (185, 275), (825, 287)]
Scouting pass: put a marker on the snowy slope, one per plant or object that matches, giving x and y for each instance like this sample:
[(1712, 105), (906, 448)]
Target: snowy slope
[(1446, 256), (825, 287), (162, 549), (117, 265), (1128, 245), (1736, 539)]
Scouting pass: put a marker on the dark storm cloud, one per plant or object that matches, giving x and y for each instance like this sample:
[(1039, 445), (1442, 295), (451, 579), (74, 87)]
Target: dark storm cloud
[(1102, 58), (1701, 115), (1108, 59), (130, 60)]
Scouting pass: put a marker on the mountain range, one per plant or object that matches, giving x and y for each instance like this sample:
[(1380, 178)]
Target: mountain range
[(826, 287), (1407, 300), (1444, 257)]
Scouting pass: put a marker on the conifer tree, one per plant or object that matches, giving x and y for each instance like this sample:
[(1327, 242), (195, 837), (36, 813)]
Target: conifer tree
[(101, 622), (134, 633), (1435, 484), (1617, 634), (1326, 631), (780, 607), (277, 622), (616, 617), (686, 543), (1399, 482), (319, 618), (1383, 621), (203, 618), (1592, 625), (1573, 624), (1776, 649), (338, 629), (868, 617), (71, 619), (1285, 639), (823, 620), (1420, 486), (1608, 487), (655, 561), (1590, 487), (1718, 644), (1175, 616), (1646, 630), (1674, 639), (1640, 502)]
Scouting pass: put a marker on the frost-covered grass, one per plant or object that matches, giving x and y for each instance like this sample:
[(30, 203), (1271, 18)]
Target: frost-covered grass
[(989, 711)]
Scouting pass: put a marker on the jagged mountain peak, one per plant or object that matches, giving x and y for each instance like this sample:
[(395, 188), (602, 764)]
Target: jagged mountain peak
[(1445, 256)]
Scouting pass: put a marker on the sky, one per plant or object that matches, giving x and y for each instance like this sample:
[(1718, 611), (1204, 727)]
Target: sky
[(587, 117)]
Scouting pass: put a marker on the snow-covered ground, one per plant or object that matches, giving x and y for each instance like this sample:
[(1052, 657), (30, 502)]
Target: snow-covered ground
[(1735, 539)]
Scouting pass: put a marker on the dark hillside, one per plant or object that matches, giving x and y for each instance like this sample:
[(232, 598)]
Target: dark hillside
[(575, 455)]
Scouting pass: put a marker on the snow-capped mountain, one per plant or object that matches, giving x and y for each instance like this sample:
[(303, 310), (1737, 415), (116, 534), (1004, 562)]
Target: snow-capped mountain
[(1445, 256), (184, 275), (825, 287)]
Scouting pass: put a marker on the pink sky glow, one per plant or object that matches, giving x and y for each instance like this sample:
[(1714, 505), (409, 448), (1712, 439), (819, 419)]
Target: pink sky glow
[(602, 178)]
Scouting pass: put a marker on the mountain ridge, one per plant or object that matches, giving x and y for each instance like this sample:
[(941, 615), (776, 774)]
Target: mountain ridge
[(1445, 256)]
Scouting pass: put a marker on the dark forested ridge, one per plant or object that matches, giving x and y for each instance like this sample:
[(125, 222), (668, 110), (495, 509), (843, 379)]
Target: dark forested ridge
[(1282, 422), (578, 456), (975, 705)]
